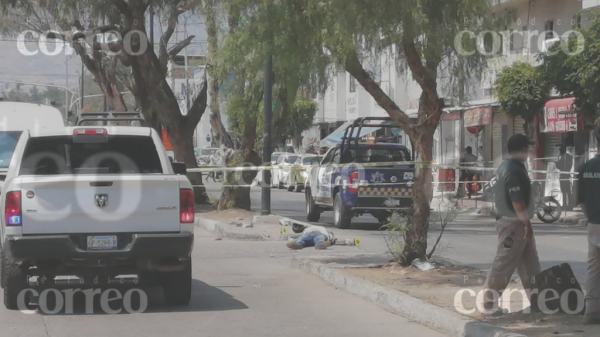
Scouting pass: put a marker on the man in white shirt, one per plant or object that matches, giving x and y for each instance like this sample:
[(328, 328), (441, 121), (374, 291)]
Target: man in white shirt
[(313, 236)]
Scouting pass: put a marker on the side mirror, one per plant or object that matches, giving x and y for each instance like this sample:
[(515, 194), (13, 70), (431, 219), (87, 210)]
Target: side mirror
[(179, 168)]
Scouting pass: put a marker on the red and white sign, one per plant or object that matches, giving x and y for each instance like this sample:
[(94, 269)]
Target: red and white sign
[(560, 115), (478, 117)]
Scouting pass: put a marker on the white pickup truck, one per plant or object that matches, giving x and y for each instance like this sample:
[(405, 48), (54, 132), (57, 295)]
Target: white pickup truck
[(96, 203)]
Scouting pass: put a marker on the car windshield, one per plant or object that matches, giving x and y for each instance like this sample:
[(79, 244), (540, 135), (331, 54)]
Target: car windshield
[(275, 156), (310, 161), (8, 141), (120, 154), (291, 159), (378, 155), (208, 152)]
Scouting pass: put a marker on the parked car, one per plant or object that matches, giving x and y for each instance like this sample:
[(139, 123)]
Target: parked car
[(275, 156), (342, 182), (259, 174), (15, 118), (300, 172), (282, 169), (69, 208), (204, 158)]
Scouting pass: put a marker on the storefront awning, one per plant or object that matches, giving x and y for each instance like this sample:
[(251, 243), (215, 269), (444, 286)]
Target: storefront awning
[(478, 117), (560, 115)]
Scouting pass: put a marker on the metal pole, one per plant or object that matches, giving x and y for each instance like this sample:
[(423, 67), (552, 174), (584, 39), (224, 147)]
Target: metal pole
[(66, 86), (105, 103), (82, 78), (267, 114)]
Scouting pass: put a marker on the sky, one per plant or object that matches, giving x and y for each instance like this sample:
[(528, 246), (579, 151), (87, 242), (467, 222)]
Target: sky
[(62, 68)]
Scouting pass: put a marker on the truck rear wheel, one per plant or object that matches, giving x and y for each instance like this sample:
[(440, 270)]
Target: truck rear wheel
[(313, 211), (14, 281), (341, 217), (177, 286)]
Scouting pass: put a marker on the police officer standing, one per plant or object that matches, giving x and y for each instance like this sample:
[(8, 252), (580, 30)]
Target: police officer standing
[(516, 244), (588, 196)]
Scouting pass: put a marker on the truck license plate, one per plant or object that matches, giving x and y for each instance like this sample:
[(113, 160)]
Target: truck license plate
[(102, 242)]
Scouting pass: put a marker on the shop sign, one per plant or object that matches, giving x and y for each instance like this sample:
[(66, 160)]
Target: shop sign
[(450, 116), (478, 117), (560, 116)]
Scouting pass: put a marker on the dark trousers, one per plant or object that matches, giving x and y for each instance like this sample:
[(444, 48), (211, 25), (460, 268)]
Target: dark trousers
[(565, 187)]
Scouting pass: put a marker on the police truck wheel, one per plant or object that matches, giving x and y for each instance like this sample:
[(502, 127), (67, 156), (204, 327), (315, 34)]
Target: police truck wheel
[(14, 281), (313, 211), (177, 286), (341, 218)]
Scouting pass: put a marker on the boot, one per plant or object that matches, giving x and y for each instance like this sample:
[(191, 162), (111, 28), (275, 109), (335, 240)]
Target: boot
[(592, 311)]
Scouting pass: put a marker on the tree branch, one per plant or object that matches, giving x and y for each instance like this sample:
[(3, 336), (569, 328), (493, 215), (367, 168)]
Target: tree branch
[(176, 49), (199, 105), (355, 68), (427, 83), (164, 53)]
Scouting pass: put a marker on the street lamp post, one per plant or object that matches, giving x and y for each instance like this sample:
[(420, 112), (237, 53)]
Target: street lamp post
[(267, 114)]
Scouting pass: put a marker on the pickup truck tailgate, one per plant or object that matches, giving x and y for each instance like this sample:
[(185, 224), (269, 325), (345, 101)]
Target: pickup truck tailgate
[(66, 204), (386, 187)]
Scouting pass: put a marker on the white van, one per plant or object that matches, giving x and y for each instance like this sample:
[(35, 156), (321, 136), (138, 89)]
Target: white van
[(16, 117)]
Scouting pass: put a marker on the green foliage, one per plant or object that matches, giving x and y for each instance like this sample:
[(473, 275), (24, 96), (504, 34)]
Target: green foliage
[(572, 68), (302, 116), (522, 90)]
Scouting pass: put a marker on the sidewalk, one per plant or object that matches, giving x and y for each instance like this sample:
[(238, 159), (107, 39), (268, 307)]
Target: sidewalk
[(443, 299)]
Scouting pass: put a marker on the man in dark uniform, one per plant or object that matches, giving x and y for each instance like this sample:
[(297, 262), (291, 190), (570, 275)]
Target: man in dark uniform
[(564, 164), (588, 196), (516, 244), (468, 159)]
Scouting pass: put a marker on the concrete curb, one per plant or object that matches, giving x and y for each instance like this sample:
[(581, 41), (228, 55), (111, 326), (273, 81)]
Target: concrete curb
[(218, 228), (414, 309)]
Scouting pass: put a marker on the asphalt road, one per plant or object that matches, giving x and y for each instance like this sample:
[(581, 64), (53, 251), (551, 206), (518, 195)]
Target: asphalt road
[(240, 289), (470, 239)]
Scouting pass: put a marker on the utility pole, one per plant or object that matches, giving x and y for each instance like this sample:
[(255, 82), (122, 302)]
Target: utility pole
[(82, 81), (105, 103), (66, 86), (267, 114)]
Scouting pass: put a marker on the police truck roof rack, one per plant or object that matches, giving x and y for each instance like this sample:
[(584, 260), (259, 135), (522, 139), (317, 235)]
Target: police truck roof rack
[(359, 123), (110, 116)]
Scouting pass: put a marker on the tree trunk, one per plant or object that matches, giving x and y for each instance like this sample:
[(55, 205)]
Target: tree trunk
[(236, 193), (149, 78), (239, 196), (212, 31), (297, 143), (416, 237)]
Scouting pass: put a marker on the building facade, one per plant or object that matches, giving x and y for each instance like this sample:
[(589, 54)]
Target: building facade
[(478, 124)]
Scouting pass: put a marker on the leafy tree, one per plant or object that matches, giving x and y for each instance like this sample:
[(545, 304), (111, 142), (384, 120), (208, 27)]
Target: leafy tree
[(257, 29), (97, 31), (571, 68), (34, 95), (299, 120), (424, 34), (522, 90)]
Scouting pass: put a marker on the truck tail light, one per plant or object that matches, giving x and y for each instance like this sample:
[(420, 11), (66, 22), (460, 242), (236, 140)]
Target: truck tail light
[(12, 211), (186, 206), (90, 132), (353, 188)]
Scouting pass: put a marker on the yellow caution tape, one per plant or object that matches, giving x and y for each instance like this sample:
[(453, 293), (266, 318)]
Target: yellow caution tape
[(241, 169)]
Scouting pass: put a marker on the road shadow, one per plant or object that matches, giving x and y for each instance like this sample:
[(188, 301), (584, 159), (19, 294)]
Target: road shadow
[(204, 298)]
